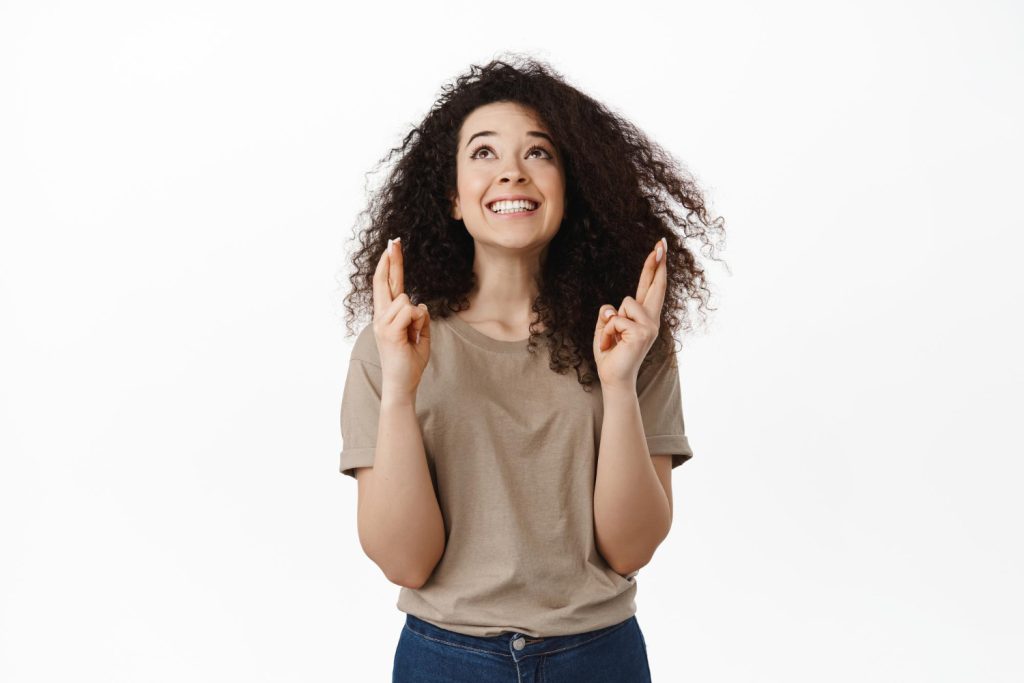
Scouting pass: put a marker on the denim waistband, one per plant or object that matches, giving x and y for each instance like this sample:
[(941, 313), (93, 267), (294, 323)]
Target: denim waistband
[(510, 643)]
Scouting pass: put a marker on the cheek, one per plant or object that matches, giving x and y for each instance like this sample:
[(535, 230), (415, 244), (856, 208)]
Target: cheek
[(472, 188), (552, 181)]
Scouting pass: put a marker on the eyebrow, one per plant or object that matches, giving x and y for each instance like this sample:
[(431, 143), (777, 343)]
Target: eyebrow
[(531, 133)]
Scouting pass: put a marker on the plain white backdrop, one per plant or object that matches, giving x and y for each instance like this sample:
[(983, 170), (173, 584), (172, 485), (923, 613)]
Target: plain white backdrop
[(179, 183)]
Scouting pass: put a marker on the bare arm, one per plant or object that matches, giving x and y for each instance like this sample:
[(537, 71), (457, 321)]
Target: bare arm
[(400, 524), (632, 512)]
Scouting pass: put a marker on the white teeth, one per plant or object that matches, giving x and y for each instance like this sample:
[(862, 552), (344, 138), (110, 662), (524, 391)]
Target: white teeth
[(513, 206)]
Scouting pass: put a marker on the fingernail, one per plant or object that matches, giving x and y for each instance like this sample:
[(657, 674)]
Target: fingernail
[(657, 253), (417, 336), (608, 313), (389, 247)]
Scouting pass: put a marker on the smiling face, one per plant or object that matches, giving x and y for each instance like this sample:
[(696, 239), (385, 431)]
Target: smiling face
[(505, 151)]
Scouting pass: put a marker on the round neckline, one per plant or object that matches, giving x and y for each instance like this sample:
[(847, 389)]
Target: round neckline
[(477, 337)]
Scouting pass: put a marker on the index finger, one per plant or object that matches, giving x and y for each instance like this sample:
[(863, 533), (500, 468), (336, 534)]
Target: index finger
[(381, 288), (650, 293), (396, 274)]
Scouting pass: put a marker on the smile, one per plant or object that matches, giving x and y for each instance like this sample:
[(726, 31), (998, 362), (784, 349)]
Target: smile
[(518, 209)]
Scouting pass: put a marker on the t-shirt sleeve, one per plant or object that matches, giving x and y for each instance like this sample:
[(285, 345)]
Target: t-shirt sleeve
[(661, 407), (360, 414)]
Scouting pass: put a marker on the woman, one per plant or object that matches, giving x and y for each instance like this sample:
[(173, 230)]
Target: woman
[(512, 501)]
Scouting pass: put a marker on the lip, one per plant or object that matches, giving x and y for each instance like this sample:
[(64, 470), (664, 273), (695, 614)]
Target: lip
[(512, 197)]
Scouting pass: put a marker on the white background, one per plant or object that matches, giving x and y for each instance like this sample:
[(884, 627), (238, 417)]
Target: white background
[(178, 186)]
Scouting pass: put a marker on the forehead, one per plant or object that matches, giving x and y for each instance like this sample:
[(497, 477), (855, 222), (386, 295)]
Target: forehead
[(500, 117)]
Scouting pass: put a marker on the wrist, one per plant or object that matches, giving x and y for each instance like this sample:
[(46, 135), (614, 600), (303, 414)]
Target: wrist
[(617, 391), (397, 399)]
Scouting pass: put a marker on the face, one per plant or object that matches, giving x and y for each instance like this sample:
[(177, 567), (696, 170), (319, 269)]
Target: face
[(504, 150)]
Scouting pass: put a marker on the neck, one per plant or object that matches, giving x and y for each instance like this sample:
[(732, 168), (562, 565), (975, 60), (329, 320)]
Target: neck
[(506, 284)]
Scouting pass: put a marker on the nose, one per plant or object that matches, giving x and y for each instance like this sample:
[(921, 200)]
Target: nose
[(519, 179), (513, 173)]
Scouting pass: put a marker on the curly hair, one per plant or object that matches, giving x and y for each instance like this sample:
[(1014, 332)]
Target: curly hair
[(619, 189)]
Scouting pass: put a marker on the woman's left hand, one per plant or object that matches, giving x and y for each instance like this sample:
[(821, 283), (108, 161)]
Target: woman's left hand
[(622, 340)]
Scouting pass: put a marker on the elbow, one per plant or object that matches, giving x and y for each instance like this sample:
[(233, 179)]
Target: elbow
[(625, 561), (411, 583), (399, 573), (640, 558), (412, 579), (628, 568), (414, 575), (401, 576), (408, 567), (624, 565)]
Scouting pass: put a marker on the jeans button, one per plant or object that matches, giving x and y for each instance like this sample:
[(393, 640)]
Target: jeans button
[(519, 643)]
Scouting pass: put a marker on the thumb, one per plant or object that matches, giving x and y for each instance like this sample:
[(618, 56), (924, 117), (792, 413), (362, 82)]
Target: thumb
[(422, 321), (603, 314)]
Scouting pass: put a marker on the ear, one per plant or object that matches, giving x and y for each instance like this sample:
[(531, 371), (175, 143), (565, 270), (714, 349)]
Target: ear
[(456, 209)]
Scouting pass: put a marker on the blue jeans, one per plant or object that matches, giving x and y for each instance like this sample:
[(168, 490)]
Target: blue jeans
[(429, 654)]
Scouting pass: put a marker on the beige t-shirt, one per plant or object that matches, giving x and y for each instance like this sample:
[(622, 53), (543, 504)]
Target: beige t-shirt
[(512, 451)]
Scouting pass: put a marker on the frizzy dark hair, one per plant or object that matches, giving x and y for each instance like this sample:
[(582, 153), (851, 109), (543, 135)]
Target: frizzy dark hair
[(619, 189)]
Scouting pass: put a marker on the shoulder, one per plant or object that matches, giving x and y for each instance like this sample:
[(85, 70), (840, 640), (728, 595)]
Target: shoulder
[(661, 361), (365, 347)]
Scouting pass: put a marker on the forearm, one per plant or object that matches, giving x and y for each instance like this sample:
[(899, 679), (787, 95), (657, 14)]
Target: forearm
[(631, 511), (400, 524)]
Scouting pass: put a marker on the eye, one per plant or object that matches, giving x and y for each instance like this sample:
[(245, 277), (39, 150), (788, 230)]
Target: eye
[(535, 148), (478, 150), (539, 148)]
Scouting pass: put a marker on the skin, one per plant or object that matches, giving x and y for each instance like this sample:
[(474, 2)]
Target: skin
[(624, 336), (622, 339), (630, 521), (509, 253)]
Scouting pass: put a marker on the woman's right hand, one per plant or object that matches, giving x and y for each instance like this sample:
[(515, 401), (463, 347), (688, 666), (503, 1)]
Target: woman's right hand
[(401, 329)]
